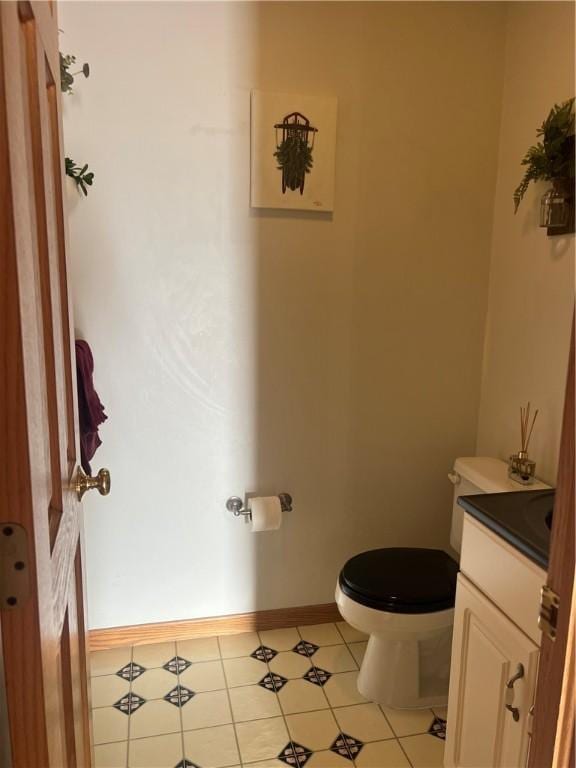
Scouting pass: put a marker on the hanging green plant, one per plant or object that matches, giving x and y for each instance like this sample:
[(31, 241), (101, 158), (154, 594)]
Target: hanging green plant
[(294, 158), (553, 157), (81, 176), (67, 77)]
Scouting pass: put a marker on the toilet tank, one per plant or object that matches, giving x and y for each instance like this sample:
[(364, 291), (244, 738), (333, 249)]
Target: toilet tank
[(479, 474)]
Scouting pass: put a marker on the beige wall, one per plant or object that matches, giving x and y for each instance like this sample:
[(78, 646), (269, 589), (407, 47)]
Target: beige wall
[(531, 276), (334, 357)]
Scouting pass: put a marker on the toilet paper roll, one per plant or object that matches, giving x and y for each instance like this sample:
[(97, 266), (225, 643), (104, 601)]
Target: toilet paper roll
[(266, 513)]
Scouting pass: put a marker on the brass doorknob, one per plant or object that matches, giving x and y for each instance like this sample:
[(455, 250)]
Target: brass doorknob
[(86, 483)]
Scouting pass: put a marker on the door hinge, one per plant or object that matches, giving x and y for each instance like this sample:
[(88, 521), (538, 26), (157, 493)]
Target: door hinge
[(14, 578), (548, 618)]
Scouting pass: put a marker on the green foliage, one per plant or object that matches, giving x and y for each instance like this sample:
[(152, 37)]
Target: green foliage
[(67, 77), (553, 156), (294, 158), (79, 175)]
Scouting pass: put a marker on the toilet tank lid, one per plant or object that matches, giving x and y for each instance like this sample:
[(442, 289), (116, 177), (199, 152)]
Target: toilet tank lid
[(491, 475)]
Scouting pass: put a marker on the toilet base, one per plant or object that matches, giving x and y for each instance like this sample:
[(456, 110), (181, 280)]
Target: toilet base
[(407, 661), (392, 672)]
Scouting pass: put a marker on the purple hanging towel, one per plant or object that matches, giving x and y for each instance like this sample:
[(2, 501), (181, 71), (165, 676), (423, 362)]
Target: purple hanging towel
[(90, 409)]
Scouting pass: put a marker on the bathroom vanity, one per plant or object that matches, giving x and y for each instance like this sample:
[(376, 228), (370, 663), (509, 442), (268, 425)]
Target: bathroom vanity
[(496, 637)]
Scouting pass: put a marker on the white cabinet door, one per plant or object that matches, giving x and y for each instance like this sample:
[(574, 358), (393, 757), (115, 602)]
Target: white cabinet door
[(486, 651)]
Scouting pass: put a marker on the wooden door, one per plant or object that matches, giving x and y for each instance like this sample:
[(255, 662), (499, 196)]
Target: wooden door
[(482, 732), (553, 716), (43, 629)]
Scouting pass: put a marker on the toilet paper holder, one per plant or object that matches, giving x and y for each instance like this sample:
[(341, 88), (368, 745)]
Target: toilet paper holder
[(235, 504)]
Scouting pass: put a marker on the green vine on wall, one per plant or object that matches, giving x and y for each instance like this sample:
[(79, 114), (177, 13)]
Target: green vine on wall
[(81, 176), (67, 77)]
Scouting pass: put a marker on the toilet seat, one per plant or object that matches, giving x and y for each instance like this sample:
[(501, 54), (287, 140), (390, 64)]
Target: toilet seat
[(401, 580)]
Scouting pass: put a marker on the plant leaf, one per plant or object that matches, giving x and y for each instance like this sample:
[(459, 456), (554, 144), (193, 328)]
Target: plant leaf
[(553, 156)]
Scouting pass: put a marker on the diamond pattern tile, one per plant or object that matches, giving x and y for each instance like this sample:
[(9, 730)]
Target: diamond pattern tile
[(273, 682), (354, 745), (131, 671), (269, 698), (317, 676), (177, 664), (295, 755), (305, 648), (438, 728), (263, 653), (346, 746), (129, 703), (179, 696)]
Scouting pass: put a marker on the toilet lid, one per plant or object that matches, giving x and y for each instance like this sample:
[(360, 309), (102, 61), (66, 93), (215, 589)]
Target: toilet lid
[(401, 580)]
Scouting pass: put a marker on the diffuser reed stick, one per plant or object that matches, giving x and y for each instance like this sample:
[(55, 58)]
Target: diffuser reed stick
[(525, 430), (520, 467)]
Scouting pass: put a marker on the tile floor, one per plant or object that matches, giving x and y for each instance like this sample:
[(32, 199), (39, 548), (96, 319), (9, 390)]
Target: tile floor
[(285, 697)]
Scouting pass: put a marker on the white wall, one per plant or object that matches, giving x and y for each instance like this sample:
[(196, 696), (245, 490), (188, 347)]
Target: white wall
[(531, 275), (336, 358)]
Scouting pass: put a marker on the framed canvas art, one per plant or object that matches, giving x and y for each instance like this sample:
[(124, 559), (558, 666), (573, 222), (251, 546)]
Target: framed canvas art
[(293, 147)]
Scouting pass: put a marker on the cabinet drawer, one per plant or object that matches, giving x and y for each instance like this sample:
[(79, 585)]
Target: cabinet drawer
[(508, 578)]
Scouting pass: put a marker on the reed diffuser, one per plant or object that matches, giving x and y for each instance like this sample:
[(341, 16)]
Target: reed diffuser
[(521, 469)]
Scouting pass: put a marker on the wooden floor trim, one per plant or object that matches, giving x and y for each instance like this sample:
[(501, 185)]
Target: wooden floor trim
[(141, 634)]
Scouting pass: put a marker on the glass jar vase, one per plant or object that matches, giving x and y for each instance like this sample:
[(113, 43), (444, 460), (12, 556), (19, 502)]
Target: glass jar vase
[(555, 204)]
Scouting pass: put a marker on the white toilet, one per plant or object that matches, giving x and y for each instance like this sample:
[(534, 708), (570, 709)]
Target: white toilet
[(404, 599)]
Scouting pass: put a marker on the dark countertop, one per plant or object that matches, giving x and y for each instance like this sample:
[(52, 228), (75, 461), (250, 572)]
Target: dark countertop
[(522, 518)]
